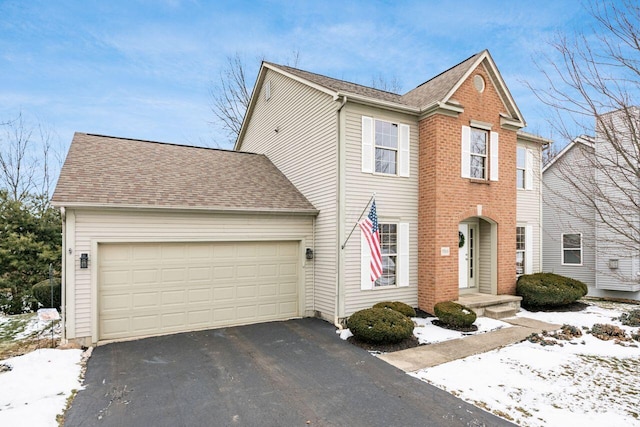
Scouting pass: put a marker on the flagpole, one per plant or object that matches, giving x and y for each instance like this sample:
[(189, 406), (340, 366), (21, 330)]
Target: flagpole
[(354, 227)]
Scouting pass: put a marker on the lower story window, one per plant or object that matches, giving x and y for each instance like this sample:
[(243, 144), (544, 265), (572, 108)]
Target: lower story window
[(520, 249), (389, 250), (572, 249)]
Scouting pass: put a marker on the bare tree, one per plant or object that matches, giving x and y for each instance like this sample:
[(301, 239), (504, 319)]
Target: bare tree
[(230, 97), (17, 168), (391, 84), (231, 94), (593, 88), (28, 158)]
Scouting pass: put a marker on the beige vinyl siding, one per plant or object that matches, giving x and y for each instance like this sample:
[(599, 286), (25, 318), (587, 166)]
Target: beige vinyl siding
[(305, 150), (396, 199), (484, 255), (117, 226), (528, 203), (557, 196)]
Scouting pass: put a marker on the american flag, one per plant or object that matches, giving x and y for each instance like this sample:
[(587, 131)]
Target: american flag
[(369, 227)]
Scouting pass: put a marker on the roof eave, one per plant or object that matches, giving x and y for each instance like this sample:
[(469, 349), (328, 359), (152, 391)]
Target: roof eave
[(365, 100), (209, 209), (529, 137), (438, 107), (510, 123)]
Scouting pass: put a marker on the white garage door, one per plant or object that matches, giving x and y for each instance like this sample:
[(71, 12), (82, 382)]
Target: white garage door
[(158, 288)]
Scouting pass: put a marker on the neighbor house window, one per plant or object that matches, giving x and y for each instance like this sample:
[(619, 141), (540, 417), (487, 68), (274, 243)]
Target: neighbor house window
[(572, 249), (386, 146), (389, 249), (478, 158), (521, 168), (520, 249)]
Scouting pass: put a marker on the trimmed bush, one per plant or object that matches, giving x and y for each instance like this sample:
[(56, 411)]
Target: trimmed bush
[(631, 319), (398, 306), (380, 326), (454, 314), (549, 290), (42, 293)]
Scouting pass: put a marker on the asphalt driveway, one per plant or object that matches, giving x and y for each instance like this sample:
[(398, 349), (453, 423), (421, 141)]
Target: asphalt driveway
[(294, 373)]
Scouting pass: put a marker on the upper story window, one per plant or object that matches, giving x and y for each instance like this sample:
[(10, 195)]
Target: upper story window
[(521, 167), (572, 249), (480, 153), (385, 147)]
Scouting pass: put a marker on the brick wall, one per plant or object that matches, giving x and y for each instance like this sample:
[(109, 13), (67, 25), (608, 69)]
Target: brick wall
[(446, 198)]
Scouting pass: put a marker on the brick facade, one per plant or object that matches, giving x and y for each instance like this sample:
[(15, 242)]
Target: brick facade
[(446, 198)]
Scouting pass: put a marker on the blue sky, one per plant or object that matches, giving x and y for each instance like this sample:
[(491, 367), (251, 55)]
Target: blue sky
[(144, 69)]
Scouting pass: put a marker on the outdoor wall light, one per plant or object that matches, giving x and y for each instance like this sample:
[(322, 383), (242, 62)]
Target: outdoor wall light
[(613, 263), (309, 253), (84, 260)]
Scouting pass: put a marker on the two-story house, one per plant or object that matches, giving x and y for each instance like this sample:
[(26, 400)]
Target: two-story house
[(161, 238), (590, 208), (457, 186)]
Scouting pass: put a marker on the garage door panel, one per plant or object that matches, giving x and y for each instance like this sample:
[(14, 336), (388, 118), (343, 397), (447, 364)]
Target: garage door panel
[(199, 296), (246, 271), (144, 253), (223, 315), (145, 276), (223, 272), (224, 294), (145, 300), (147, 289), (249, 291), (173, 297)]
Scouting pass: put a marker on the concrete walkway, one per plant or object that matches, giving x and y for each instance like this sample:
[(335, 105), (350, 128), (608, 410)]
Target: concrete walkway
[(427, 356)]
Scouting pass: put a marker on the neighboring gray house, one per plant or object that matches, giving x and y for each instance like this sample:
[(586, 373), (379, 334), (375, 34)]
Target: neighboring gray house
[(590, 211)]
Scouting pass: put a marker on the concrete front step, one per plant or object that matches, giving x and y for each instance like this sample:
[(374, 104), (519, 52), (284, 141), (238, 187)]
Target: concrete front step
[(480, 303), (500, 311)]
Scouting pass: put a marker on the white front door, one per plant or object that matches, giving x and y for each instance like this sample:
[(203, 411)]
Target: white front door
[(467, 256)]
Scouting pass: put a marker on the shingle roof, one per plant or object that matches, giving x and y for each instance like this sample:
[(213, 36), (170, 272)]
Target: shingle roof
[(109, 171), (432, 90), (437, 88), (341, 85)]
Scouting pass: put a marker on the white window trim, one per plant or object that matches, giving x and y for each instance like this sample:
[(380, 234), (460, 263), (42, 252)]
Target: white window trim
[(528, 248), (369, 148), (492, 157), (562, 249), (524, 251), (525, 178), (402, 259)]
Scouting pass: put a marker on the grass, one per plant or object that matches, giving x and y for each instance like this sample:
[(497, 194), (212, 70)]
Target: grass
[(16, 339)]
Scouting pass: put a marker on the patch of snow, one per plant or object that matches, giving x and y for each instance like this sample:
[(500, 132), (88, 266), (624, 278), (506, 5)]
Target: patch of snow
[(345, 334), (37, 387), (428, 333), (585, 381)]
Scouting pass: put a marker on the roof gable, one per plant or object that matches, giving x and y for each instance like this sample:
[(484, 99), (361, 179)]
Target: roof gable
[(119, 172), (586, 141)]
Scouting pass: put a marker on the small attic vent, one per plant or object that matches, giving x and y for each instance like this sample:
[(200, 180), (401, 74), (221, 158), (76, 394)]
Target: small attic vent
[(267, 91), (478, 83)]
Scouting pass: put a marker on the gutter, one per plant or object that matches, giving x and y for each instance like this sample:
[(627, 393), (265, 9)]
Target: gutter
[(340, 206), (63, 284)]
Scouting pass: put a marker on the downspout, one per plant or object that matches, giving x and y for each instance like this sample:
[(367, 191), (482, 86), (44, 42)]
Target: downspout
[(63, 287), (336, 318)]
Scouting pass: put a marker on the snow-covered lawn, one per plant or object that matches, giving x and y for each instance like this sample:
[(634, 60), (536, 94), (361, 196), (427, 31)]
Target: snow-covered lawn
[(34, 387), (586, 381)]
